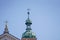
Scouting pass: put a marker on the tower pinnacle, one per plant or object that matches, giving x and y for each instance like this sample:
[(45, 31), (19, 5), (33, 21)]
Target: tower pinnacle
[(6, 27), (28, 13), (28, 33), (28, 21)]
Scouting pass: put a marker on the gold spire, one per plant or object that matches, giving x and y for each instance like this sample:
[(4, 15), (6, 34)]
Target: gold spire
[(6, 27)]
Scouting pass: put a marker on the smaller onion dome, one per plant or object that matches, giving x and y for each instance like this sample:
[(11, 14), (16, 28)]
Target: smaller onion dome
[(28, 21)]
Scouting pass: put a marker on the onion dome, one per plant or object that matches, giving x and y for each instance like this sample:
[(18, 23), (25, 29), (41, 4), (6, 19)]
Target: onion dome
[(28, 33)]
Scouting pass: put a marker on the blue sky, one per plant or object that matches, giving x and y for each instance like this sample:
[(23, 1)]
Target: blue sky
[(44, 14)]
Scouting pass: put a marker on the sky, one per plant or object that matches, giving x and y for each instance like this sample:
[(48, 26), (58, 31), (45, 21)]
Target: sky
[(44, 14)]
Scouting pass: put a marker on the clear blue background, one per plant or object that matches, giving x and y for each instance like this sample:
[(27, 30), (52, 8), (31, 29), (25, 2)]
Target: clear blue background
[(44, 14)]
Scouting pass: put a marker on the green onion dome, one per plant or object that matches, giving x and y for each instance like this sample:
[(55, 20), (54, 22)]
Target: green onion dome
[(28, 34), (28, 22)]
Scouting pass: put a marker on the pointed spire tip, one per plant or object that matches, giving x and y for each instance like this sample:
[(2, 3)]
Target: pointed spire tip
[(6, 27)]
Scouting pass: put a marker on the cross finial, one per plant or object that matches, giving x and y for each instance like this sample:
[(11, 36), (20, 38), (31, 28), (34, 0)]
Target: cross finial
[(28, 13), (28, 10)]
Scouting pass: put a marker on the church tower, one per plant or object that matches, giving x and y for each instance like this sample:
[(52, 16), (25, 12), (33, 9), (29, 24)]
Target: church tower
[(28, 34)]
